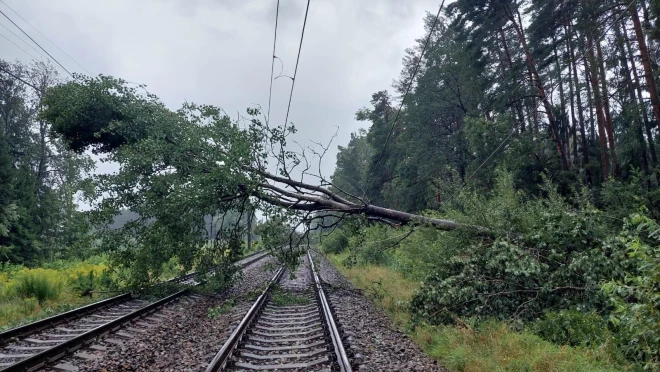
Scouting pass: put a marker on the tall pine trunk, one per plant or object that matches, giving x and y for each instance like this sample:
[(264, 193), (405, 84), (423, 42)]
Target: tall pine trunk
[(646, 63), (640, 98), (507, 55), (609, 128), (539, 86), (564, 128), (571, 94), (578, 97), (632, 98), (593, 77)]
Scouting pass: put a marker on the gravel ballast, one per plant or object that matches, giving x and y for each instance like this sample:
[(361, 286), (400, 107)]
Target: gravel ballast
[(369, 336), (180, 337)]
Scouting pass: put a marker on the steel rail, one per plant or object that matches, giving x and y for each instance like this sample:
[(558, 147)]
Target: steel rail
[(38, 360), (340, 351), (220, 359), (39, 325)]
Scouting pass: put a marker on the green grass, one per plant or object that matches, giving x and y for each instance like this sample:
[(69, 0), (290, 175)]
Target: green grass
[(29, 294), (283, 298), (492, 346), (37, 286), (216, 311)]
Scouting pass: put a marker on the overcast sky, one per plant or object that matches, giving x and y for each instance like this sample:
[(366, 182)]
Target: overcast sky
[(219, 51)]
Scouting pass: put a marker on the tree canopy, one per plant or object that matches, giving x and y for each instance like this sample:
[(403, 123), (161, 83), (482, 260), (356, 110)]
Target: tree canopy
[(175, 167)]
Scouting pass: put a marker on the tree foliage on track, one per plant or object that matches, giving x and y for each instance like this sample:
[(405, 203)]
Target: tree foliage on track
[(175, 167)]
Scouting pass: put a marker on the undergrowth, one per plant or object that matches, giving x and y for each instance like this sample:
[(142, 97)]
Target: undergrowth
[(216, 311), (29, 294), (474, 346), (280, 297)]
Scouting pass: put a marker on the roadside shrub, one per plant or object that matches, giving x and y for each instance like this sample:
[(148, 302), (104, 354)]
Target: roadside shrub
[(374, 245), (87, 285), (572, 327), (636, 297), (540, 255), (620, 198), (37, 285), (29, 294), (334, 243)]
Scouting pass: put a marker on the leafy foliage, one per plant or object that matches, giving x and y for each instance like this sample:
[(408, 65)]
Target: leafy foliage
[(547, 254), (37, 286), (176, 168), (572, 327), (336, 242), (39, 177), (636, 295)]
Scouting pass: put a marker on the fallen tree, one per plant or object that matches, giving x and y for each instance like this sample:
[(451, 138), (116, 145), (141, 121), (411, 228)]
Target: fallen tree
[(177, 166)]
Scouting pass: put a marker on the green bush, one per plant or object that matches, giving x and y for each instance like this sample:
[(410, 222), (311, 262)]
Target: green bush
[(84, 284), (335, 243), (541, 254), (31, 285), (572, 327), (216, 311), (636, 297), (371, 246)]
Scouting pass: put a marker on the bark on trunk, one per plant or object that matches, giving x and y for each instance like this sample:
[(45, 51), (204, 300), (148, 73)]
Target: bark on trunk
[(539, 86), (602, 136), (640, 98), (609, 128), (638, 124), (564, 126), (578, 96), (590, 102), (572, 102), (646, 63), (509, 62)]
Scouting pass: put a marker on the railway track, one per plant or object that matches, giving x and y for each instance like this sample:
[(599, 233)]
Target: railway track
[(289, 327), (30, 347)]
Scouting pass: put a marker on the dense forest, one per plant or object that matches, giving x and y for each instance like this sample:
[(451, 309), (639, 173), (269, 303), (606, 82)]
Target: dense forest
[(536, 121), (39, 176), (562, 88)]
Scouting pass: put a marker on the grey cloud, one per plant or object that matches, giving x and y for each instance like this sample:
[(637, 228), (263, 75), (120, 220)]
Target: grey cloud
[(219, 52)]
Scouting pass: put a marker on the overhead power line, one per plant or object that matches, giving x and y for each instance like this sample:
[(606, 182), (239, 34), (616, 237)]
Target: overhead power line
[(295, 72), (46, 37), (412, 80), (40, 47), (272, 63), (18, 78), (23, 40), (19, 47)]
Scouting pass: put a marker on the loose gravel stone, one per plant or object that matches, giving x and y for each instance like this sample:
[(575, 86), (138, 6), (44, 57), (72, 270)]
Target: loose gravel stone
[(368, 334), (180, 337), (286, 336)]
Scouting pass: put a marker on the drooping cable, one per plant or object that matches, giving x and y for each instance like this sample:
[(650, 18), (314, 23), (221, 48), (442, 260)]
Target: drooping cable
[(46, 37), (272, 63), (295, 72), (40, 47)]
